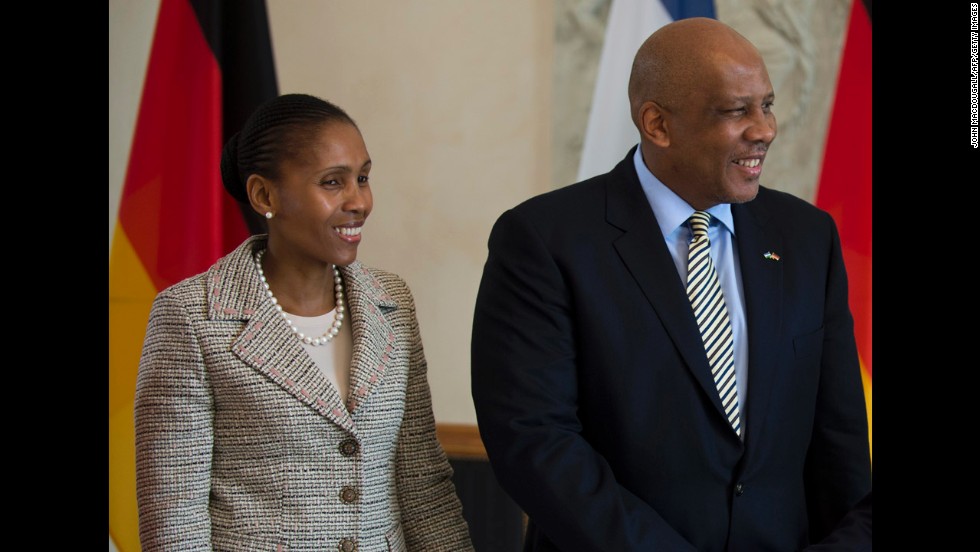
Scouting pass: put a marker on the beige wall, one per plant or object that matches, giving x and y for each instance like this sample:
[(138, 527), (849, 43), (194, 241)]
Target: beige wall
[(453, 98)]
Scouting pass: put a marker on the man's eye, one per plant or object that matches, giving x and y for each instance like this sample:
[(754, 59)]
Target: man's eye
[(362, 179)]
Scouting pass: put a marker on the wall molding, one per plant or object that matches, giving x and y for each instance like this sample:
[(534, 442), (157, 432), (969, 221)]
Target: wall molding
[(461, 441)]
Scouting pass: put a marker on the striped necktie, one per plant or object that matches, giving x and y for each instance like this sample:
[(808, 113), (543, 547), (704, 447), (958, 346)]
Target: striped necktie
[(708, 302)]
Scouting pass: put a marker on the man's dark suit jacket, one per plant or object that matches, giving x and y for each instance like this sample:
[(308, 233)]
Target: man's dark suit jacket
[(594, 396)]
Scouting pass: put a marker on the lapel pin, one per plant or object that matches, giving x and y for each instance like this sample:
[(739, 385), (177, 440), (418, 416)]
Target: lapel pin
[(771, 256)]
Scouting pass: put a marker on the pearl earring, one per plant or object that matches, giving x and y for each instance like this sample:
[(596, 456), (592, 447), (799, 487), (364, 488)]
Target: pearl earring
[(269, 214)]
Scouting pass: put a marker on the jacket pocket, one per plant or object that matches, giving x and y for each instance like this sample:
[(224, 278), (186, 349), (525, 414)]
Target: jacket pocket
[(231, 541), (396, 539)]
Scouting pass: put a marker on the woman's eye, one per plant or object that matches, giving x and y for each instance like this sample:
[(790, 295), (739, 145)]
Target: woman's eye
[(362, 179)]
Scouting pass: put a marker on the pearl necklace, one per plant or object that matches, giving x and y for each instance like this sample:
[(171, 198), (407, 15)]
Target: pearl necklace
[(338, 317)]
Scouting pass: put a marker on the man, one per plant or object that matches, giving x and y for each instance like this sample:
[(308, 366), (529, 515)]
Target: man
[(595, 395)]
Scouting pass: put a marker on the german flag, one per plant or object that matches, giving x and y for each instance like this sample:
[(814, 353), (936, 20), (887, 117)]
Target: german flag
[(844, 189), (210, 66)]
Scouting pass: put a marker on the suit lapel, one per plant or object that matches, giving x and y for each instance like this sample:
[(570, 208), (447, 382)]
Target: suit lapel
[(762, 283), (644, 252)]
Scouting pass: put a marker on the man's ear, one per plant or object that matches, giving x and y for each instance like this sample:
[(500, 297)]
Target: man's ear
[(259, 191), (653, 123)]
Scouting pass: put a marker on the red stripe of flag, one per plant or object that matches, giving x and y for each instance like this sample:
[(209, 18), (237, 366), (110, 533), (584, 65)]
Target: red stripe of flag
[(845, 183), (173, 207)]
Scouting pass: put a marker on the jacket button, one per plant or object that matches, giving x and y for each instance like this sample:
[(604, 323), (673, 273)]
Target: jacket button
[(348, 447), (347, 545), (348, 495), (739, 489)]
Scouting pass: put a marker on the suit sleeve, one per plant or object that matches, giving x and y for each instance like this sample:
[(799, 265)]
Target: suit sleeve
[(852, 533), (173, 415), (838, 466), (431, 514), (525, 390)]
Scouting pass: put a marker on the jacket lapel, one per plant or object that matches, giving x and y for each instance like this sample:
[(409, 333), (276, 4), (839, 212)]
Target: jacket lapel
[(375, 344), (266, 343), (762, 283), (644, 252)]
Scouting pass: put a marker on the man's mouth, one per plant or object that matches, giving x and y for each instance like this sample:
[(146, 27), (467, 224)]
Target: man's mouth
[(750, 163)]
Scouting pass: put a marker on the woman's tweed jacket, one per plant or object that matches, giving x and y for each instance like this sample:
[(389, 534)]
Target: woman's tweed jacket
[(242, 444)]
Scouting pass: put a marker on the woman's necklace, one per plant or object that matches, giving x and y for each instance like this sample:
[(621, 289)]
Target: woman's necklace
[(338, 316)]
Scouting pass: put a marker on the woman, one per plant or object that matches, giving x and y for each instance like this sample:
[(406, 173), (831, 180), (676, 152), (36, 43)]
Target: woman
[(282, 401)]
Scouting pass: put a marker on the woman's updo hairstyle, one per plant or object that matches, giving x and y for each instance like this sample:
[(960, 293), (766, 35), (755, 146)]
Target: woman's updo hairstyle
[(279, 129)]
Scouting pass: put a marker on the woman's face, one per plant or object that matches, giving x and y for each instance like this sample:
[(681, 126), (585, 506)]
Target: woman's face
[(322, 198)]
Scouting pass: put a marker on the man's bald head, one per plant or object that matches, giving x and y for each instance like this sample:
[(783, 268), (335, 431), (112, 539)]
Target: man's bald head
[(702, 100), (672, 61)]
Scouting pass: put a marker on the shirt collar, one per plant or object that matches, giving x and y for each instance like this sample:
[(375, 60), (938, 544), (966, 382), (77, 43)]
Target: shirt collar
[(671, 211)]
